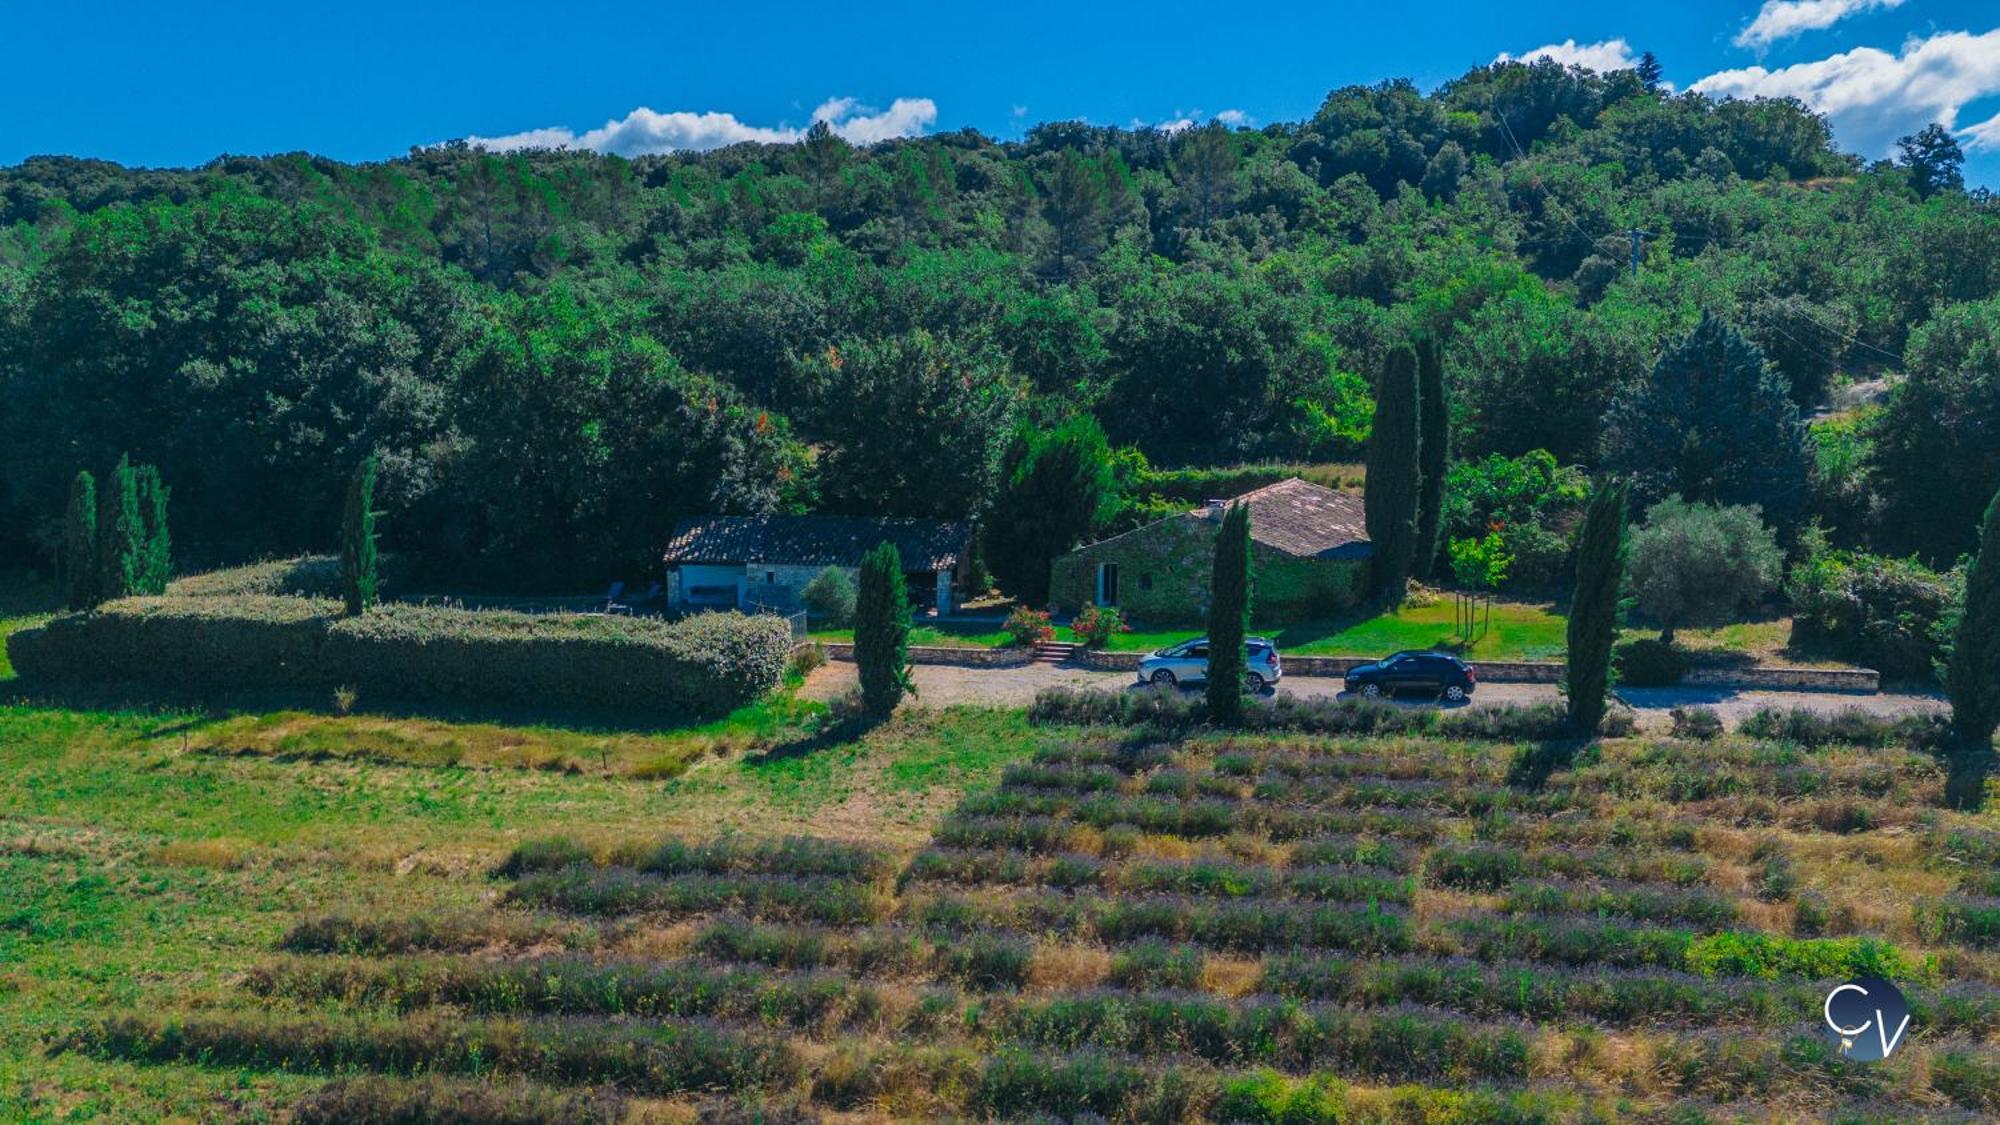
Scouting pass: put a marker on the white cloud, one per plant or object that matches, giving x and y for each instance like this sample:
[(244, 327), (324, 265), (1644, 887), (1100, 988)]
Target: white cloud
[(1985, 135), (1872, 97), (1782, 19), (1233, 118), (1612, 54), (644, 131)]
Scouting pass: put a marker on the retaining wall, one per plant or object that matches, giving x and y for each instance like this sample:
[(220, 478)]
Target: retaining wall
[(1860, 681)]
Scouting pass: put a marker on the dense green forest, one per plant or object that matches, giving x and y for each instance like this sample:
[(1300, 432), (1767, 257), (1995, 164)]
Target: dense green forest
[(556, 354)]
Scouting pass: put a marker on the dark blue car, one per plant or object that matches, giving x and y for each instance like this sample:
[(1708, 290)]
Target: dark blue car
[(1433, 673)]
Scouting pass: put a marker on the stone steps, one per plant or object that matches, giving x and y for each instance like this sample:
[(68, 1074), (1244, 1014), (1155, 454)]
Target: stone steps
[(1054, 652)]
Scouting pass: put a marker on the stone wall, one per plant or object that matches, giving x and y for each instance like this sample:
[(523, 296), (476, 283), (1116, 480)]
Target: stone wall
[(942, 654), (1861, 681), (1163, 572)]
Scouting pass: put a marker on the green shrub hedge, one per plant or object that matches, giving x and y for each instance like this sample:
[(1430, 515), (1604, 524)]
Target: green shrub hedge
[(1649, 662), (706, 664), (188, 644), (307, 576)]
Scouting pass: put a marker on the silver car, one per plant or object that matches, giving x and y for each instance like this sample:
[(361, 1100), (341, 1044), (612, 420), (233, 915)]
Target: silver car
[(1187, 663)]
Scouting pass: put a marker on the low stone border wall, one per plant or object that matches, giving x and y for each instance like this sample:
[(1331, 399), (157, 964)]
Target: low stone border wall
[(941, 654), (1859, 681)]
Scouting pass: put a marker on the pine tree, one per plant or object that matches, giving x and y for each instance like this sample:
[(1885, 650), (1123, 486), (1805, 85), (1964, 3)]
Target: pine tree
[(1434, 456), (80, 542), (1972, 674), (156, 550), (121, 534), (1390, 502), (1593, 610), (360, 580), (882, 631), (1229, 616)]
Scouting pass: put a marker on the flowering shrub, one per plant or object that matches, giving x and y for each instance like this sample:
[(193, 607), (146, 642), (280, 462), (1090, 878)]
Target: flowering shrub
[(1029, 627), (1094, 626)]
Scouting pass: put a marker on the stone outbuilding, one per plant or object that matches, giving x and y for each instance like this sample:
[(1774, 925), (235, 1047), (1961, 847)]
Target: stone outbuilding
[(1309, 552), (745, 562)]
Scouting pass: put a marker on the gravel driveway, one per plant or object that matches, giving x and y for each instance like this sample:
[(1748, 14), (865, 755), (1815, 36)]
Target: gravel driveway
[(940, 685)]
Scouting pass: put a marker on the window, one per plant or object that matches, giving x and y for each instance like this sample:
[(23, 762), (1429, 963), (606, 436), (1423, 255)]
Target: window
[(1145, 581), (770, 576), (1107, 583)]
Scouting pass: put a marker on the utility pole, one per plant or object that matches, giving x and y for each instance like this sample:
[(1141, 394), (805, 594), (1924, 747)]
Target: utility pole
[(1636, 235)]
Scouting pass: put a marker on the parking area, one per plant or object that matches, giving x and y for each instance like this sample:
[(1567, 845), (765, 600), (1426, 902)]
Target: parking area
[(943, 685)]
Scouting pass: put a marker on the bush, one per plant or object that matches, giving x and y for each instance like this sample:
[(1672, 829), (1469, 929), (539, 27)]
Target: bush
[(374, 1100), (1890, 614), (1696, 564), (1650, 662), (805, 658), (1029, 627), (307, 576), (1849, 726), (829, 597), (186, 644), (1700, 723), (1167, 710), (706, 664), (1095, 625)]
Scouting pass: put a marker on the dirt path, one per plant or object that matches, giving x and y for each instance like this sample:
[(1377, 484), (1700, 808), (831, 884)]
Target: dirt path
[(942, 686)]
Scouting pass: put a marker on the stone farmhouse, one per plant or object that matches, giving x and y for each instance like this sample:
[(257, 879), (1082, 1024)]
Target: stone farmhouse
[(1308, 544), (752, 562)]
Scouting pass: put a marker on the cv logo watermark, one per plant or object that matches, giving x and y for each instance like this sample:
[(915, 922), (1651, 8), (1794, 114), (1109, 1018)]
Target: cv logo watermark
[(1866, 1018)]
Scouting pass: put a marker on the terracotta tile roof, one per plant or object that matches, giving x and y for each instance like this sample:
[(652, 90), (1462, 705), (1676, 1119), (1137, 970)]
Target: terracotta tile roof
[(1301, 518), (816, 540)]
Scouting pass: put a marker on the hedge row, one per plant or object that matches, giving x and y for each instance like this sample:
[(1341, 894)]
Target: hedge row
[(706, 664)]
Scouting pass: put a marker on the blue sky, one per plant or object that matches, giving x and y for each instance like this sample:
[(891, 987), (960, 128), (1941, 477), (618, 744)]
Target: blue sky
[(143, 84)]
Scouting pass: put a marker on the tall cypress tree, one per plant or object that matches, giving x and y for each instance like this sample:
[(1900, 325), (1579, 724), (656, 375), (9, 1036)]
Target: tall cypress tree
[(1229, 616), (1390, 502), (1434, 456), (882, 630), (1593, 609), (1972, 675), (156, 549), (121, 534), (80, 542), (360, 579)]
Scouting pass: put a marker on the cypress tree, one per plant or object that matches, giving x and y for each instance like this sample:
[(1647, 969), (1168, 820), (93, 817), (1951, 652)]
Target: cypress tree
[(1972, 674), (121, 534), (1390, 502), (360, 580), (80, 542), (882, 631), (1434, 457), (1229, 616), (1593, 609), (156, 550)]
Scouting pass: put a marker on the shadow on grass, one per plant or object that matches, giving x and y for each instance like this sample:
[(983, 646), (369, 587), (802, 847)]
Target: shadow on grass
[(1535, 762)]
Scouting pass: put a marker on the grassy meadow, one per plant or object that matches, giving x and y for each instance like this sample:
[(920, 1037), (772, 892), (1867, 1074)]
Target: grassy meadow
[(248, 912)]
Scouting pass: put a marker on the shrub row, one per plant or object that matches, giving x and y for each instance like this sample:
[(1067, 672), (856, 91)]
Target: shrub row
[(981, 961), (1212, 878), (1849, 726), (724, 855), (1288, 1035), (1252, 926), (1682, 906), (705, 664), (614, 891), (1483, 868), (645, 1057), (378, 936), (1620, 944), (1416, 762), (1172, 710), (1961, 919), (576, 987), (375, 1100)]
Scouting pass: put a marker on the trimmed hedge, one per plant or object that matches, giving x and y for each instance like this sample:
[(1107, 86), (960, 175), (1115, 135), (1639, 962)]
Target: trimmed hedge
[(708, 664), (187, 644)]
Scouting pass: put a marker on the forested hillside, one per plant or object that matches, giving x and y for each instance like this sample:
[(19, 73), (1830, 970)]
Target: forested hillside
[(557, 354)]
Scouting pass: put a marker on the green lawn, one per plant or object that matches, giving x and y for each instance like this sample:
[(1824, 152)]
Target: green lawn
[(1519, 631)]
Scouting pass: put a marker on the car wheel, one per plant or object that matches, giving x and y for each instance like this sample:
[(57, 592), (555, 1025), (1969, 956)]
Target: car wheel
[(1371, 691), (1163, 678), (1253, 683), (1455, 693)]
